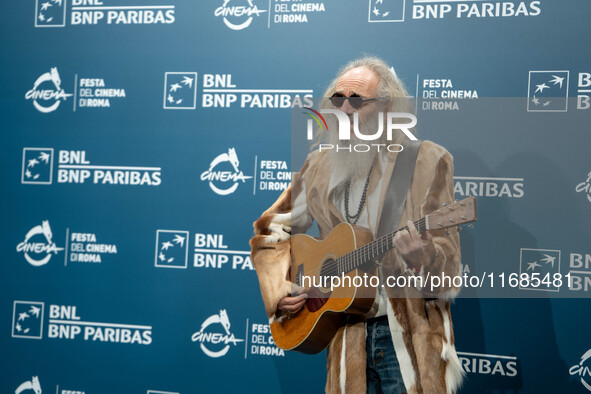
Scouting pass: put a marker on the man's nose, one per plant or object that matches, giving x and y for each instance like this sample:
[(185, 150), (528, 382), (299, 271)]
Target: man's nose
[(347, 108)]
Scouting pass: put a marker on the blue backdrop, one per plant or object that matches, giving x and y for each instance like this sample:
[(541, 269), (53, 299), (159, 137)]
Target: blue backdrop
[(142, 138)]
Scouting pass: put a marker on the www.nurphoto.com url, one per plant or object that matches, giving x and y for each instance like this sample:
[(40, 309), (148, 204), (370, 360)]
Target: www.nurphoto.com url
[(434, 282)]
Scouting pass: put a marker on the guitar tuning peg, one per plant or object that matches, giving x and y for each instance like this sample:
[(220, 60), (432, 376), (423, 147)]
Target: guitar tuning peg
[(445, 204), (460, 228), (470, 226), (447, 232)]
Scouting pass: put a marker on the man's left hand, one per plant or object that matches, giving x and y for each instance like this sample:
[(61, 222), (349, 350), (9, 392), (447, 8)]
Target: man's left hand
[(409, 244)]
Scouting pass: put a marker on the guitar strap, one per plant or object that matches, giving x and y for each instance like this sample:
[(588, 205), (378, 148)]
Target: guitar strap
[(398, 187)]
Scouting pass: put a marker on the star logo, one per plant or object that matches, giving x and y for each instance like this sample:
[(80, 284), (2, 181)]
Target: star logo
[(386, 10), (179, 240), (557, 80), (180, 90), (171, 249), (50, 13), (27, 319), (540, 88), (542, 264), (187, 81), (547, 91), (549, 259)]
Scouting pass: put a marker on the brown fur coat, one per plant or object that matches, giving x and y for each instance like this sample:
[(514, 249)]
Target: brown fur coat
[(420, 323)]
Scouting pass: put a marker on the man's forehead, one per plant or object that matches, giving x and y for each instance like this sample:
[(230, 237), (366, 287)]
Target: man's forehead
[(360, 80)]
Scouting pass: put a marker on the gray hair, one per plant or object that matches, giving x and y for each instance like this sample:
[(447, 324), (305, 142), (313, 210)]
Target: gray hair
[(389, 86), (391, 90)]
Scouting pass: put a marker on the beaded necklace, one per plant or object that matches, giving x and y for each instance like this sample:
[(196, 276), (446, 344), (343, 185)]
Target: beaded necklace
[(352, 219)]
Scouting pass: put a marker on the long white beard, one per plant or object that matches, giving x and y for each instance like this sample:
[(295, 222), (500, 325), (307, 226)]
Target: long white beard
[(353, 165)]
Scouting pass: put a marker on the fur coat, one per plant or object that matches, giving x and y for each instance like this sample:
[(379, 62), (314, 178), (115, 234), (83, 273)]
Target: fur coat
[(420, 323)]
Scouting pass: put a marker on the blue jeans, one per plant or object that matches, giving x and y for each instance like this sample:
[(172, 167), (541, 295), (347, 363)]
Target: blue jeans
[(383, 371)]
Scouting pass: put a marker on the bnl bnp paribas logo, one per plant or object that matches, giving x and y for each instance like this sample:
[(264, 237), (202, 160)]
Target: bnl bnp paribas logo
[(393, 10), (47, 93), (172, 248), (65, 323), (180, 90), (210, 252), (238, 14), (386, 10), (27, 319), (52, 13), (541, 263), (37, 166), (74, 168), (547, 91), (221, 91), (223, 175)]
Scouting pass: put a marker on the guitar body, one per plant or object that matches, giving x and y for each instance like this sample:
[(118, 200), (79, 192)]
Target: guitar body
[(313, 327)]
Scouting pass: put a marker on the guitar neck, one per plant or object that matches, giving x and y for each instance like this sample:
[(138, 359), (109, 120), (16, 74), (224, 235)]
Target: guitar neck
[(458, 213), (373, 250)]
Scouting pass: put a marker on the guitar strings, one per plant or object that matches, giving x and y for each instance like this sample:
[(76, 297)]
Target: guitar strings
[(362, 252)]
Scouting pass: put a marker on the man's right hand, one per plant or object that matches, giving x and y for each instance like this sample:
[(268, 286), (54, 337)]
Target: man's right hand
[(292, 304)]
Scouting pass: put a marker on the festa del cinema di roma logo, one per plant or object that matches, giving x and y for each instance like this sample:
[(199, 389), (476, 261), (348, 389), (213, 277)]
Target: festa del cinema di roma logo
[(238, 15), (36, 252), (585, 187), (224, 170), (208, 337), (28, 386), (583, 370), (47, 93)]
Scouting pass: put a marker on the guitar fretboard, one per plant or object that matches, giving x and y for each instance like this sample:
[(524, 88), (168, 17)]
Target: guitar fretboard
[(370, 252)]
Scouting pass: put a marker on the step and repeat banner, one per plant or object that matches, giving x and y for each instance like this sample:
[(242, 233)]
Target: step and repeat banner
[(142, 138)]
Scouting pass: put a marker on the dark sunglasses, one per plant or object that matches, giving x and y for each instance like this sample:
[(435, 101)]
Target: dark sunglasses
[(355, 100)]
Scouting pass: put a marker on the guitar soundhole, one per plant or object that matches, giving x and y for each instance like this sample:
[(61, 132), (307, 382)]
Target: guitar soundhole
[(317, 296)]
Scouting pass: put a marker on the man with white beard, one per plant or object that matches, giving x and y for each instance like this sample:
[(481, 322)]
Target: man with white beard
[(403, 345)]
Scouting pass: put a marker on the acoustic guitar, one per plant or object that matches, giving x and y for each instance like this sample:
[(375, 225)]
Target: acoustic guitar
[(348, 251)]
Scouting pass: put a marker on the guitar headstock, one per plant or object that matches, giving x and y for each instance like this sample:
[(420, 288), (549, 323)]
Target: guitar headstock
[(460, 212)]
